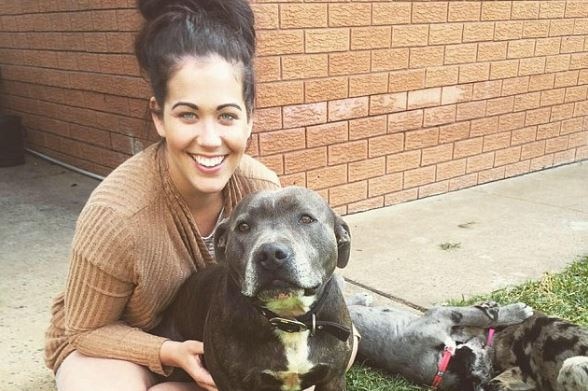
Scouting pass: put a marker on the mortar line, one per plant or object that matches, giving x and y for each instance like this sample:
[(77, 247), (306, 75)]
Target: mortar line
[(387, 295)]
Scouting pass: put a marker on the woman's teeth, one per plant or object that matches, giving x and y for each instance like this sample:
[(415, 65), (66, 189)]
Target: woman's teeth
[(208, 162)]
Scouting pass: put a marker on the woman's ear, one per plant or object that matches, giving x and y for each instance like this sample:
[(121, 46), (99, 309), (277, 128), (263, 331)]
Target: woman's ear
[(157, 116)]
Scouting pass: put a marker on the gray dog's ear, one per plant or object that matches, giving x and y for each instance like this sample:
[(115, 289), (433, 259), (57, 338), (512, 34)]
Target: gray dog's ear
[(220, 240), (343, 241)]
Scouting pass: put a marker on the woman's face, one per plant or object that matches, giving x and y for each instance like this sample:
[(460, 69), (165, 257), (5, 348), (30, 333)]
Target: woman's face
[(204, 121)]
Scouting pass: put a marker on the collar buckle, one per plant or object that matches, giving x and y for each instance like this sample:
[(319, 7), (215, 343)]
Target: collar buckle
[(288, 325)]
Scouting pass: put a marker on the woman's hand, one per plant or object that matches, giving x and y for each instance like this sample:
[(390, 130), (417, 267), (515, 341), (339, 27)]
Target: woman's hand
[(188, 356)]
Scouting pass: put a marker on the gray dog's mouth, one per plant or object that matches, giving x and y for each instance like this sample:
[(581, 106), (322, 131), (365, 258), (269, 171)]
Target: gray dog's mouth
[(282, 290)]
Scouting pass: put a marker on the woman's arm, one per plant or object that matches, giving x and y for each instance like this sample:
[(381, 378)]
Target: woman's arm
[(99, 286)]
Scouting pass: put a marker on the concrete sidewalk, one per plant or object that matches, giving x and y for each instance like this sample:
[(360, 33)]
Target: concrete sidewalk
[(498, 234)]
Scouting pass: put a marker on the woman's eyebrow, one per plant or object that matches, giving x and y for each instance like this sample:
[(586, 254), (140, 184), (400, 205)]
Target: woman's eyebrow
[(190, 105), (229, 105)]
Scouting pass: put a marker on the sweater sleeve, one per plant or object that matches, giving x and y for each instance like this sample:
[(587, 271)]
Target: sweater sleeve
[(100, 284)]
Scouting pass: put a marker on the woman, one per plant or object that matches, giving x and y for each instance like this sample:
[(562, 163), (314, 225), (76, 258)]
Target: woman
[(149, 224)]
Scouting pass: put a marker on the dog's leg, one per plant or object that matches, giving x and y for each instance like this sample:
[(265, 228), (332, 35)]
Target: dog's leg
[(510, 380), (483, 316), (573, 375)]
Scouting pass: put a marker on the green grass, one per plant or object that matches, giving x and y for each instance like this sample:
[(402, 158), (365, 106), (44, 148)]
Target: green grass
[(562, 294)]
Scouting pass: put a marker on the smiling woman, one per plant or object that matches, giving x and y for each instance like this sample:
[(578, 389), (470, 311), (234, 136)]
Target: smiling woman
[(149, 225)]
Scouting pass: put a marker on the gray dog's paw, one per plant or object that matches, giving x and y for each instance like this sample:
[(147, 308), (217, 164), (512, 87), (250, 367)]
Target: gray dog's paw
[(515, 313), (361, 298), (573, 375)]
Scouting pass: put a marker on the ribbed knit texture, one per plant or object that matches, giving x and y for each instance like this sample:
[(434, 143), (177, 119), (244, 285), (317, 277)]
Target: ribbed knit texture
[(135, 243)]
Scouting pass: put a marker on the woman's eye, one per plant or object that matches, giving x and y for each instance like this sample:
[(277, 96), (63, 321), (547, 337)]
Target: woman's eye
[(188, 116), (243, 227), (228, 117), (306, 219)]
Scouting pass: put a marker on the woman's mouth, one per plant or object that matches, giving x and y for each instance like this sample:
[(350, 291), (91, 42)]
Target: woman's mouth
[(208, 161)]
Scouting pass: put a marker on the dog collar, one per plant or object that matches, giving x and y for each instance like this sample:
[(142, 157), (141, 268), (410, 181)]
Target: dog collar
[(442, 367), (309, 321)]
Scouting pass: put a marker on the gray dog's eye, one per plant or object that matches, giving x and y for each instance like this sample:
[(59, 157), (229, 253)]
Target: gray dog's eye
[(306, 219), (243, 227)]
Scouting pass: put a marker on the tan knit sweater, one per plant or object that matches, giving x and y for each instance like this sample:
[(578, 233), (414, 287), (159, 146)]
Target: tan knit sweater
[(135, 243)]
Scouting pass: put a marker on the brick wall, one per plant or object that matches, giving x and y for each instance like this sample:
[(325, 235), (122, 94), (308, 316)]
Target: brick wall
[(369, 103)]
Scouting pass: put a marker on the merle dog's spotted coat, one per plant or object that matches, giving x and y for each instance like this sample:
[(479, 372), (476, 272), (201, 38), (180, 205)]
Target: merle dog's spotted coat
[(548, 354)]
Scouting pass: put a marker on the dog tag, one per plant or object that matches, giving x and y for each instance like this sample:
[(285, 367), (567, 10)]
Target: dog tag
[(288, 325)]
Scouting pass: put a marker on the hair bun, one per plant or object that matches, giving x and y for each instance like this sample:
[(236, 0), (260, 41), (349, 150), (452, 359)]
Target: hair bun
[(235, 12)]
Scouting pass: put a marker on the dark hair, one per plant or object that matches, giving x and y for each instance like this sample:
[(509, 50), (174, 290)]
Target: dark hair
[(175, 29)]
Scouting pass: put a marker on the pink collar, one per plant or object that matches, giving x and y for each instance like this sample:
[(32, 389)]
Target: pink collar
[(443, 364), (448, 354)]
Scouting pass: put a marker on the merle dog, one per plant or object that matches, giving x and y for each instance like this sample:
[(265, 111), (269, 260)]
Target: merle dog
[(414, 345), (269, 313)]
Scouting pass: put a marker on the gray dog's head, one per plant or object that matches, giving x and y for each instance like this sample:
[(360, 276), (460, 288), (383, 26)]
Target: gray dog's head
[(282, 246)]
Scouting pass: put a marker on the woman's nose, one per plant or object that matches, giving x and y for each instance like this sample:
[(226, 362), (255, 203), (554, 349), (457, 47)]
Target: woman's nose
[(208, 134)]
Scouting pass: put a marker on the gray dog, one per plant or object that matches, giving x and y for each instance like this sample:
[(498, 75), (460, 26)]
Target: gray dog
[(416, 346), (270, 314)]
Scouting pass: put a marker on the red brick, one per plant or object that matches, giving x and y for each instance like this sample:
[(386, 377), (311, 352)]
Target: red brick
[(424, 98), (345, 194), (480, 162), (491, 175), (306, 159), (556, 144), (384, 184), (511, 121), (391, 13), (388, 59), (433, 189), (532, 150), (325, 89), (440, 115), (406, 80), (281, 141), (367, 127), (348, 108), (464, 11), (429, 12), (279, 94), (463, 182), (341, 15), (467, 148), (538, 116), (451, 169), (524, 135), (507, 156), (403, 161), (327, 134), (572, 125), (386, 145), (400, 196), (273, 162), (417, 139), (410, 35), (348, 152), (454, 132), (323, 178), (303, 15), (496, 141), (578, 139), (387, 103), (517, 169), (279, 42), (365, 169), (298, 179), (267, 119), (419, 177), (304, 66), (346, 63), (370, 37), (303, 115), (405, 121), (368, 84), (361, 206), (327, 40), (437, 154), (470, 110)]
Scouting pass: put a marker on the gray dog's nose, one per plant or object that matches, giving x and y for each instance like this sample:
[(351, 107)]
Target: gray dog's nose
[(272, 256)]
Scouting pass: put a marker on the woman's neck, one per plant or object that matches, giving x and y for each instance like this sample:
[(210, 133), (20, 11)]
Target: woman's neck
[(205, 209)]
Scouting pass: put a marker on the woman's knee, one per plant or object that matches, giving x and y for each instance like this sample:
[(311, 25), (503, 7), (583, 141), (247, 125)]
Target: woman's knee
[(80, 372)]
